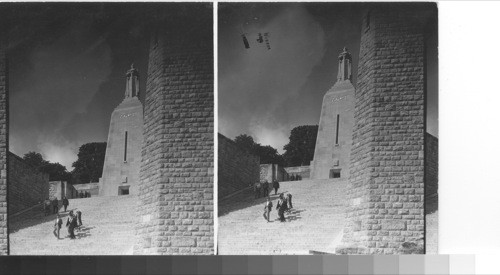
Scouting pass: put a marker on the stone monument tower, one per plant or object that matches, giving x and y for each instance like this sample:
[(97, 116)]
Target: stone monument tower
[(120, 175), (333, 144), (385, 211)]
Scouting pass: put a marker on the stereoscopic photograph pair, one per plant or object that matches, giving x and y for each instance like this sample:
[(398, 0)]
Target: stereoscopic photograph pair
[(326, 138)]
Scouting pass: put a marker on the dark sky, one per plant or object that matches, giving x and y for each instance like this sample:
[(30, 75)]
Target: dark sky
[(67, 72), (265, 93)]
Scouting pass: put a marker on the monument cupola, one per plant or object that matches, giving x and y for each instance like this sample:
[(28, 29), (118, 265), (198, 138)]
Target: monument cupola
[(132, 87), (345, 61)]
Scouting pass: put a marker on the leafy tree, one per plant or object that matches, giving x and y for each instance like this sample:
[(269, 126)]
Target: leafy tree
[(300, 148), (88, 167), (245, 141), (35, 159), (56, 171), (267, 154)]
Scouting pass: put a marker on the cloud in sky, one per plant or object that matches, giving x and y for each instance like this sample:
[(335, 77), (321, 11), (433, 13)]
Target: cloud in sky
[(266, 93), (64, 77), (68, 76), (260, 81)]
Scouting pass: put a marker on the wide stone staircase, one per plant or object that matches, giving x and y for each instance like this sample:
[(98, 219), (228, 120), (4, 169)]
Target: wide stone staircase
[(314, 225), (108, 229)]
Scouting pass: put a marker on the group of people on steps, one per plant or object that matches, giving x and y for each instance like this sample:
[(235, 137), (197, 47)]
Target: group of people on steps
[(284, 204), (262, 189), (74, 220)]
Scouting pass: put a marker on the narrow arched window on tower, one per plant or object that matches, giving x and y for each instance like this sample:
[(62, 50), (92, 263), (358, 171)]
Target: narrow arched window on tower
[(125, 148), (337, 131)]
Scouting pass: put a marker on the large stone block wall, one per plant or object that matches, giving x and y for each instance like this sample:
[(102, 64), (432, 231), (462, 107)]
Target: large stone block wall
[(237, 169), (386, 193), (4, 145), (27, 186), (176, 177)]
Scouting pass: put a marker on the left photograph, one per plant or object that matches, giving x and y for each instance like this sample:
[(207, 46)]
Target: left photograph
[(106, 129)]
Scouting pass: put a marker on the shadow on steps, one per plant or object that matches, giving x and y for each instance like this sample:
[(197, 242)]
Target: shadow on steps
[(36, 218), (244, 200)]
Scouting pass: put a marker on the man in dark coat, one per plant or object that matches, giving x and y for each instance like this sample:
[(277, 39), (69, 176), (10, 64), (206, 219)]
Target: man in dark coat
[(71, 223), (266, 188), (79, 216), (281, 207), (256, 189), (57, 226), (55, 206), (289, 199), (46, 206), (276, 186), (267, 209), (65, 203)]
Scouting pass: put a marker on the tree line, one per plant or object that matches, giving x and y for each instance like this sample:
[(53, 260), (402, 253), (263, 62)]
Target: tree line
[(87, 168), (89, 165), (299, 150)]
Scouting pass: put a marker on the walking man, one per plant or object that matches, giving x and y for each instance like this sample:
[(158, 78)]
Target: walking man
[(256, 189), (267, 209), (281, 207), (266, 188), (71, 223), (46, 207), (79, 216), (276, 186), (57, 226), (65, 203), (55, 206)]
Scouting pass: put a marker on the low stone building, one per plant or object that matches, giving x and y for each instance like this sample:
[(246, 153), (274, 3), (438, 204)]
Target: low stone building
[(271, 172), (27, 187), (92, 188), (303, 172), (237, 169), (61, 189)]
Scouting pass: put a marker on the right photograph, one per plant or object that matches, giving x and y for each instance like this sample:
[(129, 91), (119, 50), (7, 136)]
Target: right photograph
[(328, 128)]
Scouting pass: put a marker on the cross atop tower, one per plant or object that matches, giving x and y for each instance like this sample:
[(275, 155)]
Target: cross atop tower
[(345, 61), (132, 87)]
